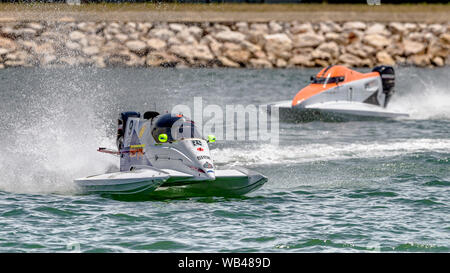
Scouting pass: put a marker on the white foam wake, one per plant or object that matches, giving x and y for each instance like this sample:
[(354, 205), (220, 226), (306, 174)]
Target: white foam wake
[(50, 137), (422, 95), (272, 154)]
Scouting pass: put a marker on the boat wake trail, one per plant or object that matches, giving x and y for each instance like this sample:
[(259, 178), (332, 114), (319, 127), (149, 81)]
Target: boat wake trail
[(49, 138), (423, 96), (303, 153)]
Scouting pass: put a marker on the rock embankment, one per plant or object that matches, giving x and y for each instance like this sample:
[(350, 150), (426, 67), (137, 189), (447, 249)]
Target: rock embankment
[(240, 44)]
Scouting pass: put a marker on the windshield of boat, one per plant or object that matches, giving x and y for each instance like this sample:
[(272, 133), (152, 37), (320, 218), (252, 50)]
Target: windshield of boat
[(176, 127), (322, 80)]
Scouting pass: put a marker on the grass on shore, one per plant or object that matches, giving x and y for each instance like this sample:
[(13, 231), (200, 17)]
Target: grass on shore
[(130, 7)]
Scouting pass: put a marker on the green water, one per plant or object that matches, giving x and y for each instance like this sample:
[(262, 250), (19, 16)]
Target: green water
[(333, 186)]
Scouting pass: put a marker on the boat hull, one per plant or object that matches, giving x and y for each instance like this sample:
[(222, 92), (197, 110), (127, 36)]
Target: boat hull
[(122, 183), (333, 111), (235, 182), (168, 183)]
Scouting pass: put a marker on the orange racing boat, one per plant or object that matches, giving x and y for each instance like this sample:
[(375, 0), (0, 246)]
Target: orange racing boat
[(338, 92)]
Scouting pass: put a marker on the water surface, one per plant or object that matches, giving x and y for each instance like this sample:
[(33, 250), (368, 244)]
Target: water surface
[(333, 186)]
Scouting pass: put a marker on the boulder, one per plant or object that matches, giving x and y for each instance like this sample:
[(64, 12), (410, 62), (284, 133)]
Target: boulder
[(354, 26), (76, 35), (436, 29), (159, 58), (281, 63), (438, 61), (412, 47), (72, 46), (219, 27), (43, 49), (384, 58), (87, 27), (7, 44), (260, 63), (156, 44), (173, 41), (143, 28), (395, 49), (332, 36), (216, 47), (227, 62), (3, 51), (230, 36), (360, 50), (301, 60), (242, 26), (278, 44), (307, 40), (350, 60), (410, 27), (177, 27), (91, 50), (378, 28), (416, 36), (397, 27), (138, 47), (121, 37), (251, 47), (186, 37), (136, 60), (376, 40), (48, 59), (28, 45), (35, 26), (26, 33), (445, 38), (436, 48), (161, 33), (301, 28), (67, 60), (331, 47), (421, 60), (321, 63), (260, 27), (237, 55), (318, 54), (195, 31), (192, 52), (256, 37), (134, 36), (275, 27)]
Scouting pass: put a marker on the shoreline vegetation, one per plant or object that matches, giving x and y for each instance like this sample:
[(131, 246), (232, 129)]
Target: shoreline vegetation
[(169, 35)]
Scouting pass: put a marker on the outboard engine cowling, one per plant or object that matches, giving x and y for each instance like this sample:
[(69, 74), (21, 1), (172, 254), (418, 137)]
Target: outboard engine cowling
[(121, 123), (387, 75)]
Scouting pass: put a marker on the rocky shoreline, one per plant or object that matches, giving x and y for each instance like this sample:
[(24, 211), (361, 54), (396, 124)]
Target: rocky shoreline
[(237, 44)]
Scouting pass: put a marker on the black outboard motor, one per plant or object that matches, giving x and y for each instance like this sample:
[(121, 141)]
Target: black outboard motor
[(121, 123), (388, 80), (150, 114)]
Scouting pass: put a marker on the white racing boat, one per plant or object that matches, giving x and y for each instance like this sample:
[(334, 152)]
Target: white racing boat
[(165, 155), (339, 93)]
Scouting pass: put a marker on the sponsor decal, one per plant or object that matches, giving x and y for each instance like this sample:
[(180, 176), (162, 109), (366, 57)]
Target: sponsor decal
[(136, 151), (141, 132), (137, 146), (200, 157), (197, 169), (208, 165), (131, 127), (200, 149), (196, 143)]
